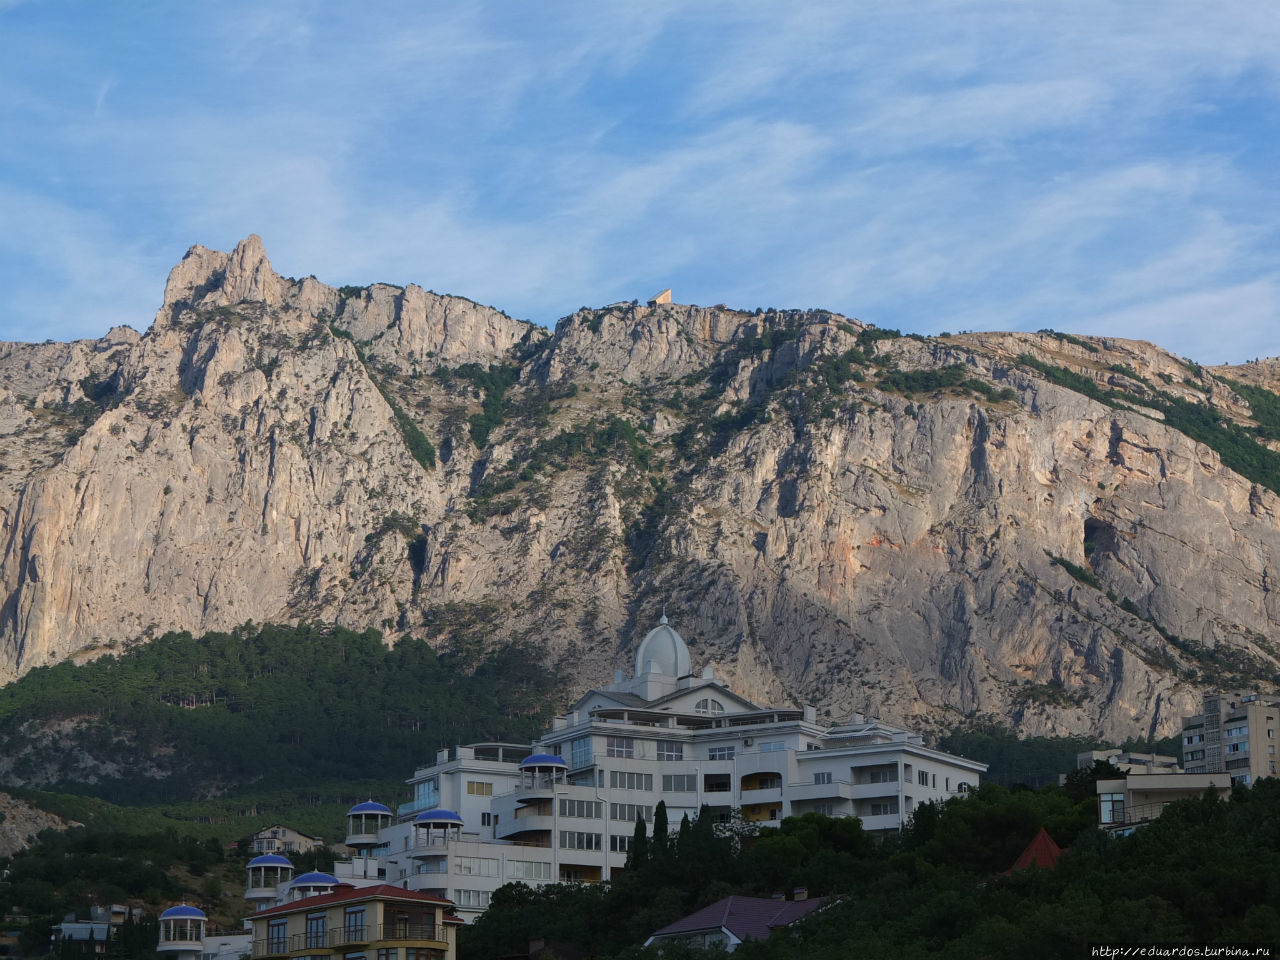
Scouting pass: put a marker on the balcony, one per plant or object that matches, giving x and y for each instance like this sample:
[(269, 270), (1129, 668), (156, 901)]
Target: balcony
[(767, 795), (532, 822), (836, 790), (431, 933)]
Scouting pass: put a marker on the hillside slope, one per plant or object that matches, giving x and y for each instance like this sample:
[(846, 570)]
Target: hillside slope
[(1069, 534)]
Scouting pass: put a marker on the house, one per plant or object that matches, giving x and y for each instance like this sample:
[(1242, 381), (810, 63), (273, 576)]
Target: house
[(728, 922), (1235, 734), (1126, 804), (282, 839), (661, 297), (563, 809), (358, 923)]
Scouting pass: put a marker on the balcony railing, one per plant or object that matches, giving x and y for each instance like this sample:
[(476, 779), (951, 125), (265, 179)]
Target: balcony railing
[(348, 936)]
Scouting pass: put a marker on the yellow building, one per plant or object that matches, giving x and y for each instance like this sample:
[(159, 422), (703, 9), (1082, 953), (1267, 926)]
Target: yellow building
[(358, 923)]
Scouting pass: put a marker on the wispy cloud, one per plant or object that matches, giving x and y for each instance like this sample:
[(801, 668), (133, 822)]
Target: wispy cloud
[(962, 163)]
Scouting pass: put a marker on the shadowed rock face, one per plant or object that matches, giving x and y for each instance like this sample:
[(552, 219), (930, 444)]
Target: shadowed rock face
[(924, 549)]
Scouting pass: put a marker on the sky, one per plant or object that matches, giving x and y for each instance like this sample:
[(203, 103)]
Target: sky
[(1091, 166)]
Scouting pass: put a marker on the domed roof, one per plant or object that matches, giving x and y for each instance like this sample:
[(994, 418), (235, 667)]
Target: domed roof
[(315, 879), (271, 860), (369, 806), (438, 816), (665, 648), (543, 760), (183, 912)]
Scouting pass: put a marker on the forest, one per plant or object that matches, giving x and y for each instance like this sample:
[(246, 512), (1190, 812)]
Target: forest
[(1207, 871)]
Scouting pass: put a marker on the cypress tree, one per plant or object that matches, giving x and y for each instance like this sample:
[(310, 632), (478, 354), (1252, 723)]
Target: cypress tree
[(660, 828), (639, 854)]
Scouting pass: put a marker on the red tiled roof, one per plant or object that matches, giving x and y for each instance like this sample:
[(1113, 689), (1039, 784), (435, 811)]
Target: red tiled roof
[(349, 894), (1040, 852), (744, 917)]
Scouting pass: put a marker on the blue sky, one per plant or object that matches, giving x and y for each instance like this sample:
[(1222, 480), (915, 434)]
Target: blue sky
[(1094, 167)]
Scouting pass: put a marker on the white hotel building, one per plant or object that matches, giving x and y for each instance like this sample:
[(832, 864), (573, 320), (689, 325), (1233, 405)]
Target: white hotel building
[(564, 809)]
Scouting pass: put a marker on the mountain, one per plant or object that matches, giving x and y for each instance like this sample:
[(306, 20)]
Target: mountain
[(1066, 534)]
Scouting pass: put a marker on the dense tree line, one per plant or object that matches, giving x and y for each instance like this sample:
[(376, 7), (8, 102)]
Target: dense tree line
[(272, 705), (1206, 871)]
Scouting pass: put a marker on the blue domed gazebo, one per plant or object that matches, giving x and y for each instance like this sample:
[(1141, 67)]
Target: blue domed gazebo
[(312, 885), (182, 932), (542, 771), (267, 874)]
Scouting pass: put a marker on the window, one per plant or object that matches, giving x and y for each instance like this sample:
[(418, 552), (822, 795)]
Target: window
[(624, 747), (528, 870), (773, 746), (679, 782), (426, 793), (822, 777), (590, 809), (1193, 755), (1111, 807), (434, 866), (948, 785), (577, 840), (316, 930), (619, 844), (479, 788), (472, 898), (922, 778), (763, 781), (422, 953), (823, 808), (885, 808), (629, 812), (883, 776), (708, 707), (277, 936), (388, 953), (721, 753), (476, 866), (624, 780), (1193, 738), (1240, 746), (1239, 730), (670, 750), (485, 819), (580, 752), (353, 924)]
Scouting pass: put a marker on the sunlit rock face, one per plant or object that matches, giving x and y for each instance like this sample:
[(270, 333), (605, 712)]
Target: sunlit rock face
[(822, 521)]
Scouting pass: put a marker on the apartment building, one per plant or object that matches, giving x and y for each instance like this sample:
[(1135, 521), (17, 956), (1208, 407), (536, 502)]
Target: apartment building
[(1234, 734), (564, 808)]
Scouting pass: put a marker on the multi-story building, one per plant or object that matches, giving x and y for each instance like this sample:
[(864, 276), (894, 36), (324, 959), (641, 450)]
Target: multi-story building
[(281, 839), (565, 807), (1135, 800), (357, 923), (1234, 734)]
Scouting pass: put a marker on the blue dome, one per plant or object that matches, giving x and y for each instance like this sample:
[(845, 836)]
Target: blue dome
[(270, 860), (438, 816), (543, 760), (183, 912), (369, 806), (316, 879)]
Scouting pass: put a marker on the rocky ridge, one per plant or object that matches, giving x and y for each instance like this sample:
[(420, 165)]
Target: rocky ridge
[(988, 526)]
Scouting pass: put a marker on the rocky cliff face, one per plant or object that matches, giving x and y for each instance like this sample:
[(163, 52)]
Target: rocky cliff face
[(1008, 526)]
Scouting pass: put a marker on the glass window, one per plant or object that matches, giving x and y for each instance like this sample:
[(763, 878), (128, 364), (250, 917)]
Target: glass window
[(473, 898), (580, 752), (476, 866), (619, 844), (624, 747), (708, 707), (1111, 807), (629, 812), (316, 930), (479, 788), (277, 935), (528, 870), (625, 780), (579, 840), (773, 746), (591, 809), (721, 753), (353, 923), (822, 777), (670, 750), (679, 782)]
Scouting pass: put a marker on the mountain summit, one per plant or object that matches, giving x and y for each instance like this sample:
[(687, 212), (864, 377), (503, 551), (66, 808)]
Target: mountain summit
[(1069, 534)]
